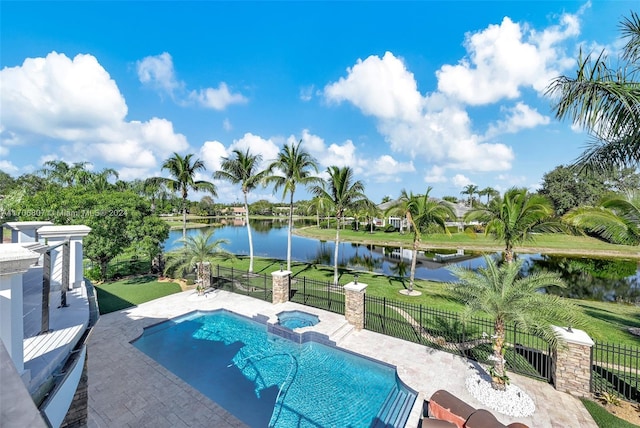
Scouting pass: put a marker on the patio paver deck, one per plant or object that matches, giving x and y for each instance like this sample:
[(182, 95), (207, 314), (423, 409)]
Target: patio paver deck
[(129, 389)]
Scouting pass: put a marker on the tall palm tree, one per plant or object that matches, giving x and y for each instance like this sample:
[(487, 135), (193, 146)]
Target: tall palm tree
[(65, 174), (605, 101), (198, 249), (242, 168), (100, 181), (616, 219), (344, 192), (317, 206), (501, 293), (489, 192), (154, 190), (423, 212), (293, 166), (470, 189), (514, 217), (183, 171)]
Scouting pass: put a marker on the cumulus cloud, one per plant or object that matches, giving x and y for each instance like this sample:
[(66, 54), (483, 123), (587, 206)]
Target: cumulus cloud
[(436, 174), (519, 117), (158, 73), (380, 87), (459, 180), (342, 154), (503, 58), (76, 104), (217, 98), (386, 169), (8, 167)]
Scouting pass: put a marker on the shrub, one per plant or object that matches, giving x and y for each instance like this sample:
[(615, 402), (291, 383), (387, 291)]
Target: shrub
[(390, 228)]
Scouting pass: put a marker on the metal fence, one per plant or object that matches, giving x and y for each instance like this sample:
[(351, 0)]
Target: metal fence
[(319, 294), (525, 353), (256, 285), (117, 269), (616, 370)]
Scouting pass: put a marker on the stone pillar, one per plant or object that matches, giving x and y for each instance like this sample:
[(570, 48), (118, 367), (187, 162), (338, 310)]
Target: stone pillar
[(281, 280), (25, 231), (58, 234), (14, 261), (354, 303), (571, 364), (206, 275)]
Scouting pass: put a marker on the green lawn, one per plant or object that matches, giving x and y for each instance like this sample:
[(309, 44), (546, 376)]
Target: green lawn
[(114, 296), (603, 418), (551, 243)]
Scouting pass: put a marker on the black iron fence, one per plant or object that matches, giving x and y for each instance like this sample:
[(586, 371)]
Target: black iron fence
[(616, 370), (319, 294), (239, 281), (524, 353)]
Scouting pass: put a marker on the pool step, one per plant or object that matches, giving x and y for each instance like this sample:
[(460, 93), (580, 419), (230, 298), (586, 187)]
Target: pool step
[(341, 332), (395, 410)]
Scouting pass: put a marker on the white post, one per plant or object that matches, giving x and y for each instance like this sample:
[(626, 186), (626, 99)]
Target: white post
[(14, 261), (74, 234), (25, 231)]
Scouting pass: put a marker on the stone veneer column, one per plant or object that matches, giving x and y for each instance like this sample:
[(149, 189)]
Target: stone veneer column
[(354, 304), (206, 275), (58, 234), (571, 366), (281, 284), (14, 261)]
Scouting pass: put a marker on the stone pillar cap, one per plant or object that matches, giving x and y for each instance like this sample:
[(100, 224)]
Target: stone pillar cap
[(21, 225), (14, 258), (71, 231), (576, 336), (281, 273), (355, 286)]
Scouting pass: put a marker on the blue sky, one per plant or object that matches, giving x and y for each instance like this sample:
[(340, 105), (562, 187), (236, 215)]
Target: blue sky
[(409, 94)]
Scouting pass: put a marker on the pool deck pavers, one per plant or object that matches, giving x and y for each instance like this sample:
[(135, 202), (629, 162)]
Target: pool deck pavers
[(129, 389)]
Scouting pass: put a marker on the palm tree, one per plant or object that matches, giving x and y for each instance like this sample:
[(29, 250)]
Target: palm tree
[(318, 205), (423, 212), (100, 181), (183, 171), (242, 169), (616, 219), (502, 294), (65, 174), (489, 192), (343, 192), (293, 166), (470, 189), (514, 217), (154, 190), (197, 250), (605, 102)]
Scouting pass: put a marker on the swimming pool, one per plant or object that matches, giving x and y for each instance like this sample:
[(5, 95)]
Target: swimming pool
[(266, 380)]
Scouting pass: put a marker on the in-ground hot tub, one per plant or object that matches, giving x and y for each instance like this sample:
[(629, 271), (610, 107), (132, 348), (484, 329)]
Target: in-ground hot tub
[(297, 319)]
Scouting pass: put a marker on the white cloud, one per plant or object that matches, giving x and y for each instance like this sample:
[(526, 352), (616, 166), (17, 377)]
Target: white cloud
[(8, 167), (158, 72), (436, 175), (256, 145), (460, 180), (380, 87), (503, 58), (211, 154), (226, 125), (431, 127), (75, 103), (385, 169), (306, 93), (334, 154), (217, 99), (519, 117)]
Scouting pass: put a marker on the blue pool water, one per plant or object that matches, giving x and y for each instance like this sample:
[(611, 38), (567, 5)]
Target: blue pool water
[(297, 319), (268, 381)]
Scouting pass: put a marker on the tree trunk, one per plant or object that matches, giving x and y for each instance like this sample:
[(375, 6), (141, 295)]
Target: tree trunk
[(103, 269), (246, 213), (508, 254), (414, 259), (335, 253), (184, 222), (498, 378), (289, 233)]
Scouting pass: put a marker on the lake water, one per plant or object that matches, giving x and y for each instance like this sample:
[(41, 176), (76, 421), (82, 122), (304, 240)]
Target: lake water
[(587, 278)]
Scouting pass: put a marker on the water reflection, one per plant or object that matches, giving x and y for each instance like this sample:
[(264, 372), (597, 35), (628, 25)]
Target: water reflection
[(586, 278)]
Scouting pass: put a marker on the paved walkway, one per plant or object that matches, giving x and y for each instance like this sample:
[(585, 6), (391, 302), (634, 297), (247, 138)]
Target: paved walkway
[(129, 389)]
